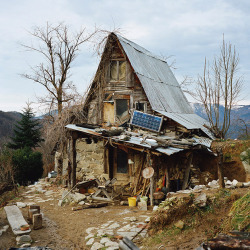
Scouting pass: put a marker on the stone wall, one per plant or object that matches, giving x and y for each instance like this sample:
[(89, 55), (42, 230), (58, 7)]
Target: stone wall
[(90, 159)]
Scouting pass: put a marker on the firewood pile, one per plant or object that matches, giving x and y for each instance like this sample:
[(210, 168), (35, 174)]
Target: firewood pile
[(233, 240)]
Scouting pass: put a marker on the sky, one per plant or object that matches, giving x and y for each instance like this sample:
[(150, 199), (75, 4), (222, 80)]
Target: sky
[(188, 31)]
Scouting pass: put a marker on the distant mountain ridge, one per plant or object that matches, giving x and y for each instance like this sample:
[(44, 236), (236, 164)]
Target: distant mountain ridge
[(7, 121), (240, 116)]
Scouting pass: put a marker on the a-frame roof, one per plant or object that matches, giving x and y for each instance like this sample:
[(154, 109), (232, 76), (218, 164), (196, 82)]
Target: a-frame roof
[(161, 87), (159, 83)]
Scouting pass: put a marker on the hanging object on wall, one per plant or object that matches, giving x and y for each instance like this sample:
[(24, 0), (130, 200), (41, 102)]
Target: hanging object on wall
[(147, 172)]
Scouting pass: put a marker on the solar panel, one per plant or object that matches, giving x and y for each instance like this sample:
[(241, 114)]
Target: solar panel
[(150, 122)]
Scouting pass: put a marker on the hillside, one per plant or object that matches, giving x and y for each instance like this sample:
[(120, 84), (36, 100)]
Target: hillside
[(7, 121)]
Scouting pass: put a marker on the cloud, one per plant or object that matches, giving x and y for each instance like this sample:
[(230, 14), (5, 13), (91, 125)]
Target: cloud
[(189, 30)]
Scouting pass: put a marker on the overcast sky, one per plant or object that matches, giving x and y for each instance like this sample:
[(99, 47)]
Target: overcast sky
[(189, 30)]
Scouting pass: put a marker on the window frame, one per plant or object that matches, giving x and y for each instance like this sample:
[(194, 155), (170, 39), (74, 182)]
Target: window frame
[(117, 70)]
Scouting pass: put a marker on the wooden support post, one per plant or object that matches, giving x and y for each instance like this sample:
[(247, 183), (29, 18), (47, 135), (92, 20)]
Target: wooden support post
[(187, 171), (167, 172), (220, 169), (151, 191), (74, 164)]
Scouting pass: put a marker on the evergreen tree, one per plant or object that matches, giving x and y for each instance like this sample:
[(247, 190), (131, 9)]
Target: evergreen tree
[(27, 131)]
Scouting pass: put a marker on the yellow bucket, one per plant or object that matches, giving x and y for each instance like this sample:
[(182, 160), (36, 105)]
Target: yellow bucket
[(132, 201)]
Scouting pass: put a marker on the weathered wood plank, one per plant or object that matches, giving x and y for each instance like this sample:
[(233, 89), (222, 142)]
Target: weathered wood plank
[(16, 220)]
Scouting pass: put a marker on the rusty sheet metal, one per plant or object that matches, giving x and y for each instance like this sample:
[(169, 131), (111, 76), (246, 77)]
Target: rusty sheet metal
[(84, 130), (203, 141), (189, 121), (159, 83), (139, 142)]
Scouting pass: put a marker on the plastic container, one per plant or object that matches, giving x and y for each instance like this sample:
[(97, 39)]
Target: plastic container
[(144, 198), (132, 201)]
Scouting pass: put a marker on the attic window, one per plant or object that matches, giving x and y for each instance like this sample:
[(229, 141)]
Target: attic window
[(117, 70)]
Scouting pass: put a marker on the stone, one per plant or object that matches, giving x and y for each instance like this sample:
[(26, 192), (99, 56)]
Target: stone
[(234, 183), (214, 184), (97, 246), (25, 245), (246, 184), (37, 221), (89, 236), (142, 206), (112, 248), (179, 224), (5, 228), (240, 185), (77, 197), (201, 200), (155, 208), (113, 226), (21, 204), (90, 241), (81, 203), (88, 230), (133, 219), (129, 235), (104, 240), (111, 244), (60, 202), (23, 239)]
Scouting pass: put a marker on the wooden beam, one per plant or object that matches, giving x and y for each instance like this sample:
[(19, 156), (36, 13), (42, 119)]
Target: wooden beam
[(187, 171), (74, 164)]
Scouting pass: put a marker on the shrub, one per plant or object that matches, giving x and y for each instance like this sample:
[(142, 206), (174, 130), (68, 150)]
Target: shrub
[(27, 165)]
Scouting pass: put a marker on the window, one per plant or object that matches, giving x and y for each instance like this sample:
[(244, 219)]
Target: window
[(118, 71), (122, 162), (122, 107), (141, 106)]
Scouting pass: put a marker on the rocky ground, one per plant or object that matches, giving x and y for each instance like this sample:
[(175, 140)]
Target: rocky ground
[(102, 228), (95, 228)]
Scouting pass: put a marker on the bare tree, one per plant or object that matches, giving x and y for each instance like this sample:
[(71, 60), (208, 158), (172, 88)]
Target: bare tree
[(220, 84), (58, 48)]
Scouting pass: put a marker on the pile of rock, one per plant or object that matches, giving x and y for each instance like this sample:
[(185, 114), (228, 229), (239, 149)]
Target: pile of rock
[(72, 198)]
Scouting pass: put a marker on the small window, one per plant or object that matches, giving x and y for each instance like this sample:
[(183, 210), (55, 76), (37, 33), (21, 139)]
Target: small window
[(117, 70), (141, 106)]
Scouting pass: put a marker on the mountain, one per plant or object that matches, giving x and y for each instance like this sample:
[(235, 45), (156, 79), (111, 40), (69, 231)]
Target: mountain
[(7, 121), (240, 118)]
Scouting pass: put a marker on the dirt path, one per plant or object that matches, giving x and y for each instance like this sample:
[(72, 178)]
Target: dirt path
[(67, 229)]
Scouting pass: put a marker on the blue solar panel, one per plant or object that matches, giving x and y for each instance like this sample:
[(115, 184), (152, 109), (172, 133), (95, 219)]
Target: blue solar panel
[(146, 121)]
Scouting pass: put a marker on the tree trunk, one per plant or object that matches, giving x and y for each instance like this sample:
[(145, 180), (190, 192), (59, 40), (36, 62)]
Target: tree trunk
[(220, 169)]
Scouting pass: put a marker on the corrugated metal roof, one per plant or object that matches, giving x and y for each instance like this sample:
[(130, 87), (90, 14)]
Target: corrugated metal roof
[(82, 129), (134, 140), (203, 141), (160, 85), (189, 121), (139, 141)]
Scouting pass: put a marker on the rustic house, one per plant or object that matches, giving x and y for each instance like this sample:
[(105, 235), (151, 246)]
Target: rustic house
[(137, 116)]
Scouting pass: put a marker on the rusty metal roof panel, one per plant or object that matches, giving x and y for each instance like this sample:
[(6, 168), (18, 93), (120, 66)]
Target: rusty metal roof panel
[(82, 129), (139, 141), (189, 121), (161, 87), (203, 141)]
